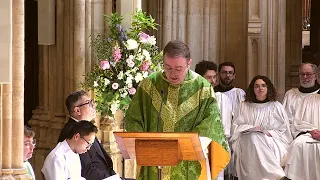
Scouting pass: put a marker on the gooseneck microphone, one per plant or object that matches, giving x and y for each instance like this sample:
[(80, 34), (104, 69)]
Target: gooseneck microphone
[(159, 115)]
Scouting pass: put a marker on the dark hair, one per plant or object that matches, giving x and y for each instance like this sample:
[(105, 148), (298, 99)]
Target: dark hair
[(84, 128), (226, 64), (176, 48), (28, 132), (271, 91), (73, 98), (203, 66)]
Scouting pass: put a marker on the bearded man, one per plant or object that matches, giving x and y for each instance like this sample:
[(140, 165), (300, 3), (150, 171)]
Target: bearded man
[(227, 74), (308, 86)]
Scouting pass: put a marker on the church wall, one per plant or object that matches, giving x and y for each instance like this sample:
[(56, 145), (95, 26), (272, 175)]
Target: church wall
[(258, 36)]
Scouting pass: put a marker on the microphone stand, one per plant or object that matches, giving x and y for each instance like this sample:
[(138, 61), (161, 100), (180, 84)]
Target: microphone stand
[(159, 117), (123, 160)]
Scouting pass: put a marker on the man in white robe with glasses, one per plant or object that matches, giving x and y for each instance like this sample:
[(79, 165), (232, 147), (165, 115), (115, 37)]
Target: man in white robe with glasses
[(303, 161), (308, 86)]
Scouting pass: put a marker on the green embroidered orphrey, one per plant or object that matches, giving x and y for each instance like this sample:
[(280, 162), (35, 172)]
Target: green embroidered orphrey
[(188, 107)]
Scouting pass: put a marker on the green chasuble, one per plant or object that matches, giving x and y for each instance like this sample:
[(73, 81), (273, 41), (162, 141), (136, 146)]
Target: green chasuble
[(187, 107)]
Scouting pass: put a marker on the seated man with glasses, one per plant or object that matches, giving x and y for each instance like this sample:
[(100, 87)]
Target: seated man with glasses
[(227, 74), (308, 86), (96, 163), (63, 162), (29, 145)]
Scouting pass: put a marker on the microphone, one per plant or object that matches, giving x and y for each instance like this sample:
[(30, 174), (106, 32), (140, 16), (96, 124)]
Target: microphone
[(159, 115)]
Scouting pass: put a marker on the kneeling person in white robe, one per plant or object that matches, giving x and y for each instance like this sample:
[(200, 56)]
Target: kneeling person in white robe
[(303, 155), (63, 162), (261, 133)]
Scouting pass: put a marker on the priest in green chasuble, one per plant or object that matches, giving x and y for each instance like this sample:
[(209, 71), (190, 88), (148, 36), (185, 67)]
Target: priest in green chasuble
[(186, 103)]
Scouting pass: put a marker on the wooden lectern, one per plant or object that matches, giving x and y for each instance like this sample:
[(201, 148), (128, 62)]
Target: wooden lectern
[(159, 149)]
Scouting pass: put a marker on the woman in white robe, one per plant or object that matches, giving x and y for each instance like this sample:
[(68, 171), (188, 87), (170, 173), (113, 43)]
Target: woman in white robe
[(261, 133), (304, 153)]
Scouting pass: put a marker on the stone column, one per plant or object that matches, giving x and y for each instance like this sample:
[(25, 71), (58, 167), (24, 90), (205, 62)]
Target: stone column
[(12, 103), (6, 171), (217, 26), (194, 30), (254, 66), (273, 42), (18, 83), (126, 8), (79, 42), (293, 42)]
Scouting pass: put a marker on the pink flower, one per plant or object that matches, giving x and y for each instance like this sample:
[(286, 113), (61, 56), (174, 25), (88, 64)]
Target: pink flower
[(143, 37), (104, 64), (116, 54), (145, 65), (115, 86), (132, 91)]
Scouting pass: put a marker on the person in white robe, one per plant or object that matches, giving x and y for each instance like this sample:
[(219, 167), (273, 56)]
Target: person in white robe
[(308, 86), (28, 147), (303, 161), (208, 70), (63, 162), (261, 133)]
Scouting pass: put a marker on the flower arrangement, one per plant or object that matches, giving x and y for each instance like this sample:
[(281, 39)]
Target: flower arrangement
[(124, 57)]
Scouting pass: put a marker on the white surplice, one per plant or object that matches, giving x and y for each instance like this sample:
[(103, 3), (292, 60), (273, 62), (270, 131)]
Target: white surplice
[(259, 156), (292, 99), (62, 164), (224, 104), (225, 108), (303, 161), (236, 95)]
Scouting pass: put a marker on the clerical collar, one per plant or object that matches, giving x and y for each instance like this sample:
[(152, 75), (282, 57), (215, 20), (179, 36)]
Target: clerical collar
[(310, 89), (219, 88), (259, 102), (74, 119)]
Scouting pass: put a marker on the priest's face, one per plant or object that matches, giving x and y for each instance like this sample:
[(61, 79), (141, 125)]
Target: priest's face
[(211, 76), (83, 143), (307, 76), (260, 89), (176, 68), (227, 75)]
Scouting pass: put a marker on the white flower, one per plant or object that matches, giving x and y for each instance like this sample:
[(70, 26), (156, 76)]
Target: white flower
[(95, 84), (145, 74), (120, 75), (138, 77), (146, 54), (152, 40), (124, 94), (140, 57), (129, 81), (106, 81), (132, 44), (129, 85), (114, 106), (131, 57)]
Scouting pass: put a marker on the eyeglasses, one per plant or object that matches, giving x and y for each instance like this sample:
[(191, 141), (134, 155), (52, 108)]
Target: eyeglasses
[(28, 144), (177, 71), (91, 104), (308, 75), (227, 73), (88, 144), (262, 86)]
